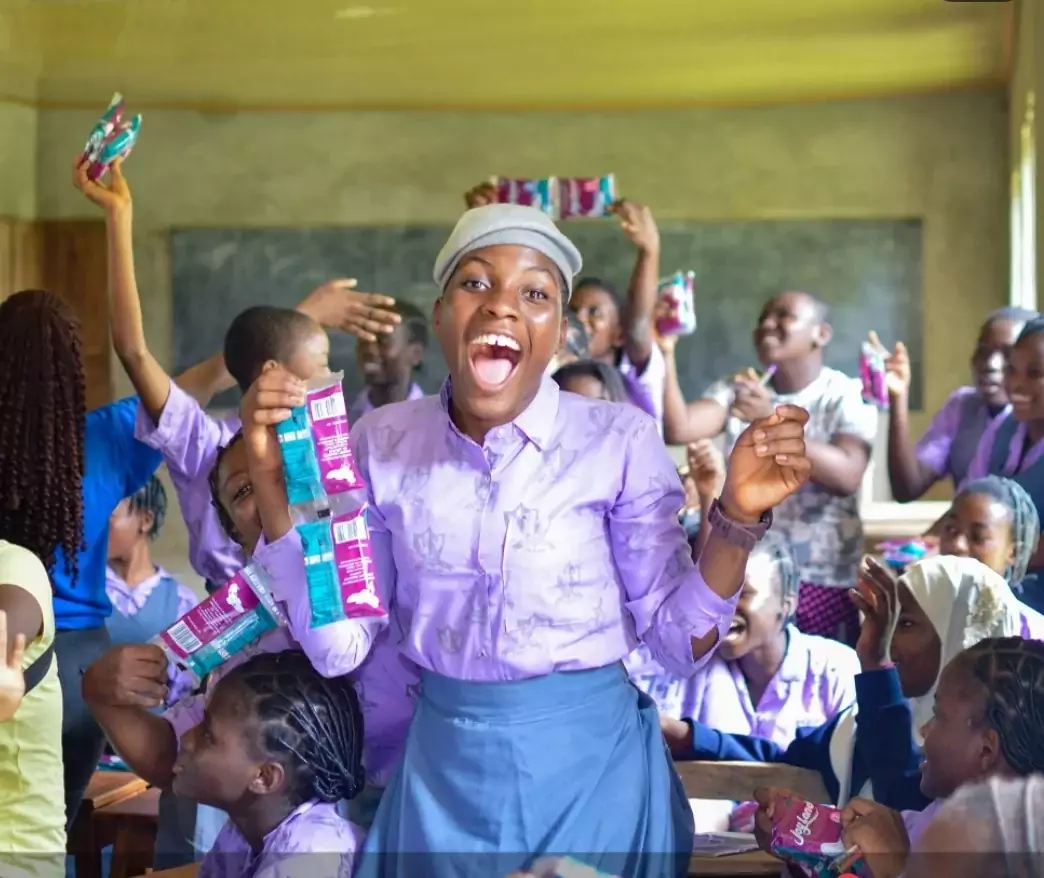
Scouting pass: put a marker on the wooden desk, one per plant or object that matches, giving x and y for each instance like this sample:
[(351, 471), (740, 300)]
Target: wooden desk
[(106, 789), (131, 824), (189, 871), (755, 863)]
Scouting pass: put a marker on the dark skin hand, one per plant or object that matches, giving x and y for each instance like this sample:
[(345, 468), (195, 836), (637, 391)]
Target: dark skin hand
[(120, 688), (877, 597)]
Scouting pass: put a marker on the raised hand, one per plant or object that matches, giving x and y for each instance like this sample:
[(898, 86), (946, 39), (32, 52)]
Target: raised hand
[(638, 224), (751, 399), (768, 463), (113, 196), (268, 402), (707, 467), (480, 195), (337, 304), (877, 597), (128, 676), (12, 678), (897, 364)]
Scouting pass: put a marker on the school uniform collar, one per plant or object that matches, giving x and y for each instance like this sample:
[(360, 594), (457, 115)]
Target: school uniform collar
[(796, 658), (536, 422)]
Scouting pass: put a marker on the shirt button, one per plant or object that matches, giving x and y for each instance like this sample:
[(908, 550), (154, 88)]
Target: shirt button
[(482, 653)]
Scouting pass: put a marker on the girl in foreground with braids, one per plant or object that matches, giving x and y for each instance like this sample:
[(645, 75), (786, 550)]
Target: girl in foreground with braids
[(989, 712), (279, 746), (62, 472)]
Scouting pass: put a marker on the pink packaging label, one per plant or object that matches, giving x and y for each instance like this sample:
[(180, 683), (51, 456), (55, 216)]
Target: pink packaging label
[(339, 568), (529, 193), (586, 196), (809, 836), (208, 620), (337, 467), (677, 295)]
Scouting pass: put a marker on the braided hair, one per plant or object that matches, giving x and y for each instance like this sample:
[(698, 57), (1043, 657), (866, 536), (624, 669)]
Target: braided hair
[(42, 398), (1025, 522), (1011, 671), (151, 498), (309, 723), (214, 481), (788, 577)]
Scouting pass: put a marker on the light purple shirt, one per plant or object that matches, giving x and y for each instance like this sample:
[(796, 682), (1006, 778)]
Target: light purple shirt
[(313, 841), (653, 379), (916, 822), (954, 434), (361, 405), (129, 601), (980, 466), (555, 546), (815, 683), (189, 439), (385, 682)]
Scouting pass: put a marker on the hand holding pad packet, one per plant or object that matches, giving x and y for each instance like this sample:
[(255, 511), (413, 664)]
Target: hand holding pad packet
[(873, 372), (808, 836), (339, 567), (110, 139), (318, 462), (677, 298), (224, 623)]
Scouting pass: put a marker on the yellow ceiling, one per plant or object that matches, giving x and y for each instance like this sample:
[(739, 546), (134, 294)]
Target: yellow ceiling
[(494, 53)]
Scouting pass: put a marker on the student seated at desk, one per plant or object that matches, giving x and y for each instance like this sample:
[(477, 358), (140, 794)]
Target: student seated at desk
[(985, 725), (279, 746), (873, 749), (766, 678)]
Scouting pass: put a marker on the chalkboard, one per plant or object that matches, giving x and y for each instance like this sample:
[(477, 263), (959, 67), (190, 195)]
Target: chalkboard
[(868, 271)]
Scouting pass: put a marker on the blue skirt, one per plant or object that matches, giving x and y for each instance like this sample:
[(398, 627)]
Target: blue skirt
[(497, 775)]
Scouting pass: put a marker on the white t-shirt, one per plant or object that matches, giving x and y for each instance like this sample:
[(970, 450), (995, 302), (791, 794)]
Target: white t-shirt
[(824, 530)]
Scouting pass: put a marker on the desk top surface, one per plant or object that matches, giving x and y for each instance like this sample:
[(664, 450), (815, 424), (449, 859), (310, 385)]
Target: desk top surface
[(755, 863), (109, 787)]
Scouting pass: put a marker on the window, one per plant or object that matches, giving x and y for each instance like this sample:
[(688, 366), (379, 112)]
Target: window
[(1023, 217)]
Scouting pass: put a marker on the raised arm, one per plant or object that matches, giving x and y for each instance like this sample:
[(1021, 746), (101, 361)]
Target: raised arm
[(640, 227), (685, 422), (150, 379), (682, 610), (335, 649)]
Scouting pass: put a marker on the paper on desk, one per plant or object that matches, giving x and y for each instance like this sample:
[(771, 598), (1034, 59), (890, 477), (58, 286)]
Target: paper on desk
[(723, 844)]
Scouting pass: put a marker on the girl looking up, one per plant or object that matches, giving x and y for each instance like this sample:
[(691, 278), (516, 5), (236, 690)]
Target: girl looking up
[(528, 539), (948, 445), (278, 747)]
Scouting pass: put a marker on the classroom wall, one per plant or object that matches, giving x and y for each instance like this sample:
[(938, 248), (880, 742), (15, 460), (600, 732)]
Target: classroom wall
[(17, 161), (939, 157)]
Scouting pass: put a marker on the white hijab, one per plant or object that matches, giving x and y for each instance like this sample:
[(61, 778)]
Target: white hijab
[(966, 602)]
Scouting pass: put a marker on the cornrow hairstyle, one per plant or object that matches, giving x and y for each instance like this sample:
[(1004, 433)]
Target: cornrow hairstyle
[(311, 724), (576, 337), (213, 479), (788, 576), (604, 374), (260, 334), (1025, 522), (1015, 315), (42, 398), (151, 498), (1034, 326), (414, 321), (1011, 671)]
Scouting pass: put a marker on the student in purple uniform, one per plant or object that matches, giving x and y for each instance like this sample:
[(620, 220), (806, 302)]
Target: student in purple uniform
[(948, 445), (620, 333), (1013, 444), (250, 498), (528, 540), (279, 745), (821, 522), (171, 419), (767, 678), (388, 363), (146, 600)]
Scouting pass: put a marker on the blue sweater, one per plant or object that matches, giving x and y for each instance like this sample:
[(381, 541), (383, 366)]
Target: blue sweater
[(885, 751), (116, 465)]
